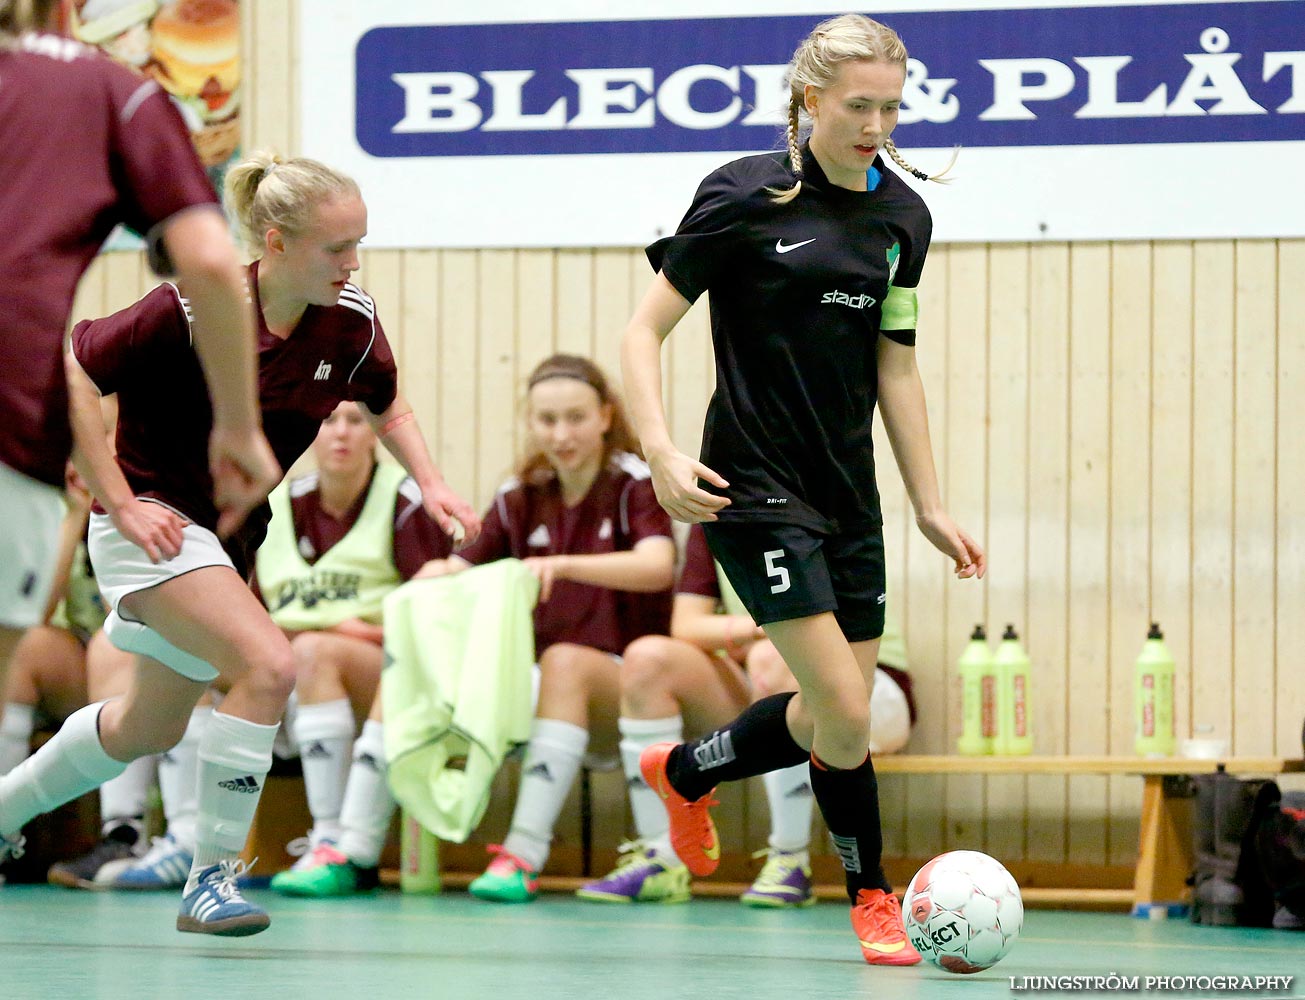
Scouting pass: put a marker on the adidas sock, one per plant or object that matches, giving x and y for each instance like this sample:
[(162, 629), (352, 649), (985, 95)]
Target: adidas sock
[(71, 764), (788, 791), (552, 760), (756, 742), (650, 822), (179, 779), (234, 758), (16, 734), (849, 801), (368, 806), (324, 733)]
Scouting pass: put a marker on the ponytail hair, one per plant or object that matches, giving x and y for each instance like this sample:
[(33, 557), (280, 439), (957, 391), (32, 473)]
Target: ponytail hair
[(19, 16), (264, 191), (534, 468), (817, 62)]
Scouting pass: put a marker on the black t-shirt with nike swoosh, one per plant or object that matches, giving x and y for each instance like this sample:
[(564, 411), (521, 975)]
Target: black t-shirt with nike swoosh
[(796, 294)]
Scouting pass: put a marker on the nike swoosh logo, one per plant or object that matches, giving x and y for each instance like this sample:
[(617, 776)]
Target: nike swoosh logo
[(883, 949), (781, 248)]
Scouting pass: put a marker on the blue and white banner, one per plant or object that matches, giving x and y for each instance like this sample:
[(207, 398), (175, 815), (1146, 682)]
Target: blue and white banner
[(498, 127)]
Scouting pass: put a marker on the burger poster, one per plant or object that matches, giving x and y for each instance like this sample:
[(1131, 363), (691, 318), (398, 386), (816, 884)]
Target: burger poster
[(191, 47)]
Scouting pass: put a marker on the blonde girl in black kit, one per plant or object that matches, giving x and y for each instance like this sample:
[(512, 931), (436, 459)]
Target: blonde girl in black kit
[(811, 258)]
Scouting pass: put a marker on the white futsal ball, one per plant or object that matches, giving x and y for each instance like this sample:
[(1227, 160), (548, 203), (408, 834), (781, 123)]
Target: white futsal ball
[(963, 911)]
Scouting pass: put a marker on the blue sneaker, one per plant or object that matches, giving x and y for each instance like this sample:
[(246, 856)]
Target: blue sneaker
[(165, 866), (215, 905)]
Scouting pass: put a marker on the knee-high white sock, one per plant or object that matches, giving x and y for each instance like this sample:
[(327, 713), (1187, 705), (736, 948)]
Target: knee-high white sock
[(788, 791), (16, 734), (650, 820), (368, 806), (179, 779), (324, 733), (552, 760), (234, 758), (71, 764)]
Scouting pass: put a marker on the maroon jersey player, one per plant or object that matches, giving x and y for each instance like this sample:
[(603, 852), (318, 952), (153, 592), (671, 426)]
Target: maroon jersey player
[(582, 515), (116, 152), (178, 597)]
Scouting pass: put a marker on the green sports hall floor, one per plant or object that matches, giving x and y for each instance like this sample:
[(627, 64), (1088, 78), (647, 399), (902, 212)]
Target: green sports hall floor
[(57, 943)]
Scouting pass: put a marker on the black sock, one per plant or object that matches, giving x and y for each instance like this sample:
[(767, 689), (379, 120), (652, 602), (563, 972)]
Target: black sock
[(849, 801), (756, 742)]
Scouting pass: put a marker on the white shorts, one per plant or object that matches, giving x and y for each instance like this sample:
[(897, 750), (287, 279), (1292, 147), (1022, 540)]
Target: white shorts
[(890, 715), (122, 568), (29, 541)]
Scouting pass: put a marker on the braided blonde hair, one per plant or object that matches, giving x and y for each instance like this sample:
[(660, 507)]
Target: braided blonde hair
[(264, 191), (816, 63)]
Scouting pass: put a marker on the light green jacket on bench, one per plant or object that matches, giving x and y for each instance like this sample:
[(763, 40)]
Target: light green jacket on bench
[(456, 689)]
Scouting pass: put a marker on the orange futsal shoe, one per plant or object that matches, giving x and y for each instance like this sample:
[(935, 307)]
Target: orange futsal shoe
[(877, 920), (693, 834)]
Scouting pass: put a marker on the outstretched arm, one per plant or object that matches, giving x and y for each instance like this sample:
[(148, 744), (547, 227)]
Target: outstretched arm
[(901, 402), (241, 461), (398, 430), (674, 473)]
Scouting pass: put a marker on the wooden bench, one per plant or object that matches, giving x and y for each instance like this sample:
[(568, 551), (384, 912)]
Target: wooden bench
[(1164, 856)]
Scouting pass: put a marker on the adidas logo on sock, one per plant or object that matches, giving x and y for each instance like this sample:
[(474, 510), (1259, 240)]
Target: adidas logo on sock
[(166, 758), (317, 751), (802, 791), (540, 769), (636, 782), (367, 760), (247, 785)]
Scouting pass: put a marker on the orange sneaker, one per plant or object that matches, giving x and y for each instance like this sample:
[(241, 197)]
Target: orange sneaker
[(693, 834), (877, 920)]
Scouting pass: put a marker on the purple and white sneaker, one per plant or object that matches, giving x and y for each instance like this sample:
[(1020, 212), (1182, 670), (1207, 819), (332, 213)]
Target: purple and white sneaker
[(785, 880), (640, 876)]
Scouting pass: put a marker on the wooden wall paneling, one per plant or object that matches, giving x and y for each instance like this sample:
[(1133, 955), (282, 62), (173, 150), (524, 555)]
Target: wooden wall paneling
[(536, 319), (1130, 543), (414, 323), (1089, 538), (459, 358), (1172, 474), (1008, 507), (1047, 483), (926, 619), (574, 301), (1290, 500), (122, 280), (269, 91), (1213, 315), (612, 307), (88, 301), (1254, 471), (499, 382), (964, 474)]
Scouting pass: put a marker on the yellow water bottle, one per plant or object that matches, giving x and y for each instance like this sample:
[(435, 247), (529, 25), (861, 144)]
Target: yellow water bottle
[(419, 857), (1014, 706), (978, 696), (1153, 697)]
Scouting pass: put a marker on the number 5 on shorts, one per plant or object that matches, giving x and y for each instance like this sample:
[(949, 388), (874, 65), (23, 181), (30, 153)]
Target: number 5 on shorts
[(780, 573)]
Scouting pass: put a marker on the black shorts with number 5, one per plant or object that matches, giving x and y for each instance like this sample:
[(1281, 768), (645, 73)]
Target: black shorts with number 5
[(782, 571)]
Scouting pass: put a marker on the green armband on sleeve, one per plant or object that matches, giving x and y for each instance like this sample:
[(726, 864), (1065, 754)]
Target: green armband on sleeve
[(901, 309)]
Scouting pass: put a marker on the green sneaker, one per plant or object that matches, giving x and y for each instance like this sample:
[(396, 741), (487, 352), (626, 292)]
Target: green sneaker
[(329, 873), (507, 879), (640, 876), (785, 880)]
